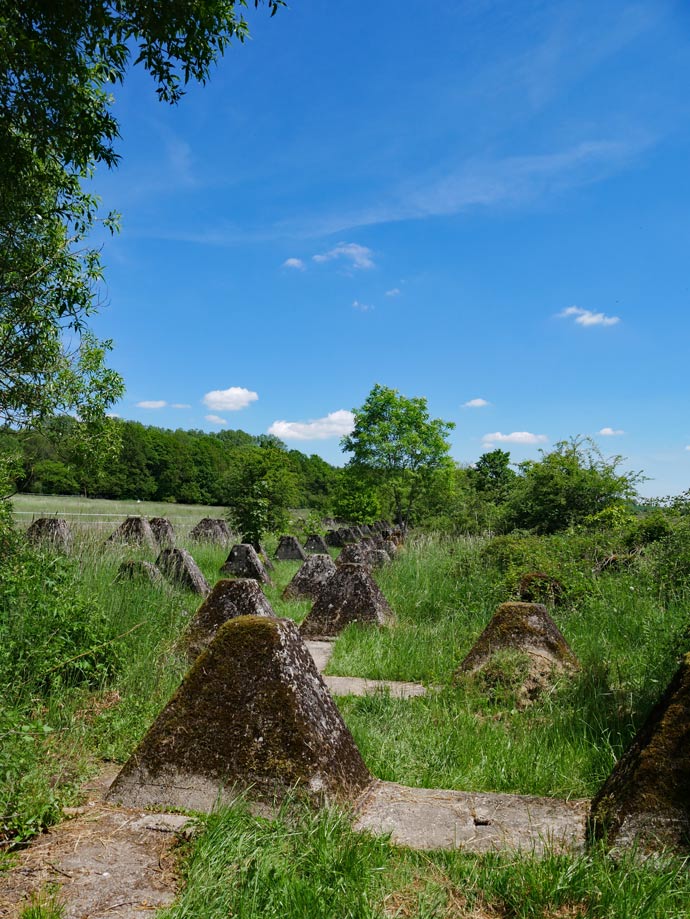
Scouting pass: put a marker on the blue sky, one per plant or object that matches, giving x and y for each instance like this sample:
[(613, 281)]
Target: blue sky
[(483, 203)]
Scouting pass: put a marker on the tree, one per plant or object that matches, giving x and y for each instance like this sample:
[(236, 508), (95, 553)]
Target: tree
[(58, 61), (395, 443), (566, 486)]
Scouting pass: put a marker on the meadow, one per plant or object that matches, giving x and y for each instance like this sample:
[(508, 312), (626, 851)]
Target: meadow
[(88, 662)]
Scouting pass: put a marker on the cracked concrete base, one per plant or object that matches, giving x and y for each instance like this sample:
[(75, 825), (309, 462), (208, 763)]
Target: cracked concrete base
[(106, 861), (424, 818)]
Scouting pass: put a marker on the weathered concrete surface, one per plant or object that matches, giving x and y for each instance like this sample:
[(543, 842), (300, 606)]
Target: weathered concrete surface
[(351, 595), (321, 651), (244, 562), (213, 530), (178, 566), (105, 861), (252, 714), (354, 554), (311, 577), (424, 818), (138, 570), (528, 629), (290, 550), (51, 531), (358, 686), (163, 531), (317, 544), (230, 597), (646, 799), (135, 531)]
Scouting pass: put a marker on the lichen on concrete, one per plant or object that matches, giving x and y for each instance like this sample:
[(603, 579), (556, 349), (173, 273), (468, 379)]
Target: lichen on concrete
[(646, 799), (252, 715), (310, 579), (51, 531), (351, 595), (526, 628), (135, 531), (290, 550), (230, 598), (244, 562), (178, 566)]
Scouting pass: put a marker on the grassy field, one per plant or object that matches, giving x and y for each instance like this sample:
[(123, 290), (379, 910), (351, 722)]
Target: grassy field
[(626, 632), (101, 515)]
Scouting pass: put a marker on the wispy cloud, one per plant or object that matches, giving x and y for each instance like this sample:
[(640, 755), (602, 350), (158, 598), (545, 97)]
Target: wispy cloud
[(152, 403), (215, 419), (610, 432), (180, 405), (587, 317), (393, 292), (294, 263), (336, 424), (362, 307), (476, 403), (358, 256), (517, 437), (229, 400)]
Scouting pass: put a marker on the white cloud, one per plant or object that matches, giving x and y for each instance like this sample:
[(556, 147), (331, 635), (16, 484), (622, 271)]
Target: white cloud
[(215, 419), (115, 415), (359, 256), (517, 437), (362, 307), (587, 317), (180, 405), (152, 403), (336, 424), (294, 263), (476, 403), (229, 400), (610, 432), (393, 292)]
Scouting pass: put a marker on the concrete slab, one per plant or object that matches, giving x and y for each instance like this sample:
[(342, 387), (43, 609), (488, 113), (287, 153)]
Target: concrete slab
[(423, 818), (357, 686), (321, 651)]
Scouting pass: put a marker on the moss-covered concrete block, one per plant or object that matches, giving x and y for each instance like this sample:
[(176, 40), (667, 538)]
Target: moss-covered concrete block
[(244, 562), (290, 550), (351, 595), (230, 598), (309, 581), (252, 715), (178, 566), (646, 799), (528, 629)]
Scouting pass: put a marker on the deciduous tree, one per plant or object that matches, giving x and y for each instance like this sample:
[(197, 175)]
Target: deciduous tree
[(396, 442)]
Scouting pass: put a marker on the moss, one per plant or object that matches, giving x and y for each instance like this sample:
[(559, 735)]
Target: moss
[(647, 796), (253, 711)]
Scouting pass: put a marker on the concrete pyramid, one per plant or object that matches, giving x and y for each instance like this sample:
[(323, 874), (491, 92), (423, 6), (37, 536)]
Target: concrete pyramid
[(244, 562), (526, 628), (354, 554), (311, 577), (334, 539), (252, 715), (289, 549), (646, 799), (138, 570), (52, 531), (316, 544), (211, 529), (178, 566), (230, 597), (135, 531), (351, 595), (163, 531)]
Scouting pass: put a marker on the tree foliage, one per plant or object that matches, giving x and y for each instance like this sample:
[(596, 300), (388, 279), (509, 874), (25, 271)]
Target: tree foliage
[(396, 442), (566, 487), (58, 63)]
